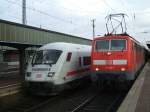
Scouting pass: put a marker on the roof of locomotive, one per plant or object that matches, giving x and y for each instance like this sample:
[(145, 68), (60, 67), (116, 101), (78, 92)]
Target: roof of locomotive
[(117, 36), (113, 36), (66, 46)]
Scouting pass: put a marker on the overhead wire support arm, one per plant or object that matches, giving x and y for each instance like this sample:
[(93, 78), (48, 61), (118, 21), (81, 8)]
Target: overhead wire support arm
[(125, 23), (107, 26), (24, 20)]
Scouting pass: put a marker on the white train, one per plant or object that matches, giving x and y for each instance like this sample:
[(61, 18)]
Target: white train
[(57, 66)]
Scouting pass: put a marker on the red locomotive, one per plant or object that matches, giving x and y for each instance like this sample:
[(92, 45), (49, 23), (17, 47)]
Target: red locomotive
[(116, 57)]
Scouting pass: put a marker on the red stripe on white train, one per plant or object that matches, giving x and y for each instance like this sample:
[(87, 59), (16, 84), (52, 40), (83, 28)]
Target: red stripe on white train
[(77, 72)]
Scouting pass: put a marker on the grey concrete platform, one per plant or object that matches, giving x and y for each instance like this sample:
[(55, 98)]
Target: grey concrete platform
[(138, 98)]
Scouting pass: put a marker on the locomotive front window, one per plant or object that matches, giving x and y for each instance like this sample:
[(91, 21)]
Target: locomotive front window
[(117, 44), (102, 45), (37, 58), (46, 56)]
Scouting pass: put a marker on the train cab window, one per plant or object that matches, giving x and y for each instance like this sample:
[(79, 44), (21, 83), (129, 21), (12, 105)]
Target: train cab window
[(86, 60), (51, 56), (37, 58), (46, 56), (69, 56), (102, 45), (118, 44)]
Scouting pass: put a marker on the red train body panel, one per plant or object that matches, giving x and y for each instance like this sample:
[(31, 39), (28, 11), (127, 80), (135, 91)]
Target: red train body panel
[(116, 57)]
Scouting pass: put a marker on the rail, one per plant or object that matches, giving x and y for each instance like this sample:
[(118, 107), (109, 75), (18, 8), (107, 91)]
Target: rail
[(101, 101)]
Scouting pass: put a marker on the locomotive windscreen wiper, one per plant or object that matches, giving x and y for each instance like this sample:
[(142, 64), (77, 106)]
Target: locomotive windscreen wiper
[(122, 49)]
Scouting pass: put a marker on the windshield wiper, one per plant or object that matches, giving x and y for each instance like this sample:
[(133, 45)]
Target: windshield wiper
[(122, 49)]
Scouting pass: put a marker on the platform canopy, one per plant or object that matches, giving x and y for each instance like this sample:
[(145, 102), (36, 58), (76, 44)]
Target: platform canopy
[(16, 34), (17, 44)]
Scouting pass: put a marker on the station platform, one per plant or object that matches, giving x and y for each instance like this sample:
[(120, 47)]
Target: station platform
[(138, 98)]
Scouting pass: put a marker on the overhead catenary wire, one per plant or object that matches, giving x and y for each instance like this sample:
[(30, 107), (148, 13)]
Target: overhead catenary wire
[(64, 20), (13, 16), (52, 16), (18, 19), (74, 10), (41, 12), (105, 2), (129, 10), (29, 8)]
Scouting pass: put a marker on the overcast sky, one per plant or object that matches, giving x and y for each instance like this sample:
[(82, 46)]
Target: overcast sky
[(74, 16)]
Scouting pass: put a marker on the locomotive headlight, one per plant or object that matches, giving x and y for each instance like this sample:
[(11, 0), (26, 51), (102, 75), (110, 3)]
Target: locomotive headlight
[(97, 69), (123, 69), (51, 74), (28, 74)]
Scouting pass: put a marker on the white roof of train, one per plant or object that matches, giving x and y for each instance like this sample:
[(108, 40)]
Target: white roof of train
[(66, 46)]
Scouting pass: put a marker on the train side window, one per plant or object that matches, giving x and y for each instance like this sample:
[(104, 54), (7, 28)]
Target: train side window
[(69, 56), (86, 60)]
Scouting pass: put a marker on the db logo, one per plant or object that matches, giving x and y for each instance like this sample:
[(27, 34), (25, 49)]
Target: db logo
[(38, 75), (109, 62)]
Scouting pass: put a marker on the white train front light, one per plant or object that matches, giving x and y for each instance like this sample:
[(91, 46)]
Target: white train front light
[(51, 74), (97, 69)]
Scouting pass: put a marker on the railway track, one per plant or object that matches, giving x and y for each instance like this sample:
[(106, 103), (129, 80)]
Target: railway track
[(29, 104), (103, 102), (78, 100), (32, 103), (88, 101)]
